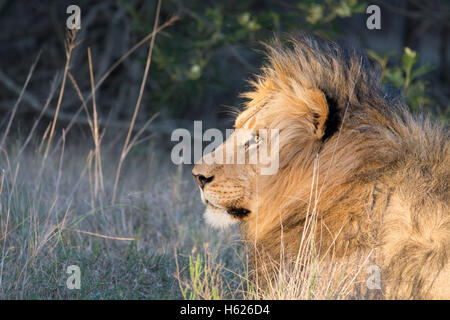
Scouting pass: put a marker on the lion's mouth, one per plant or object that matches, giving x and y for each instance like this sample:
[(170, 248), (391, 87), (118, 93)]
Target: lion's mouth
[(234, 212), (238, 212)]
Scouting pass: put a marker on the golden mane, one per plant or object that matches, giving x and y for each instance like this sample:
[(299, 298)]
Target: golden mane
[(380, 175)]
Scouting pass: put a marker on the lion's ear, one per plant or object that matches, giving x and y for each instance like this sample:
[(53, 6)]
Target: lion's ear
[(318, 107)]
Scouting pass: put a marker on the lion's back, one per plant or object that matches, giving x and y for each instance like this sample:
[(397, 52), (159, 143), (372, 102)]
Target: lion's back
[(416, 222)]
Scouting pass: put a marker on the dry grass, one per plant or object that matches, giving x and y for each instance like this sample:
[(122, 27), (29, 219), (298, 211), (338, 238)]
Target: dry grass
[(55, 211), (49, 222)]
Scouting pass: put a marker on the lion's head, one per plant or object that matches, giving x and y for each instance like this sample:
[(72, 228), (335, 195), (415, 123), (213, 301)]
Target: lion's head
[(301, 94), (229, 188)]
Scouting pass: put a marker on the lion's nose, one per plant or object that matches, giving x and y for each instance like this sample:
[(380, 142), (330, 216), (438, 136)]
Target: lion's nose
[(202, 180)]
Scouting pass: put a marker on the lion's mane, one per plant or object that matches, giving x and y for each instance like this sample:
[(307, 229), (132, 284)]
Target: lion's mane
[(380, 175)]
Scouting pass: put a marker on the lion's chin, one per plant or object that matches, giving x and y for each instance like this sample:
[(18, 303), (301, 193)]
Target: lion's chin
[(218, 218)]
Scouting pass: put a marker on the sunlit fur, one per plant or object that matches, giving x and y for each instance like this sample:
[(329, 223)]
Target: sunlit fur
[(383, 174), (218, 218)]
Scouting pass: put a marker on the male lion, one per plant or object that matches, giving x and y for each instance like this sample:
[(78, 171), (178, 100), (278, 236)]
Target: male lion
[(377, 176)]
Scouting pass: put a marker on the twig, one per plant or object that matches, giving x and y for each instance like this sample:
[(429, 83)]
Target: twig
[(35, 124), (70, 45), (100, 235), (138, 104), (235, 54), (98, 159), (14, 110)]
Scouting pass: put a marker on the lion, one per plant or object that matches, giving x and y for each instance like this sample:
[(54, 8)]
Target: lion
[(379, 175)]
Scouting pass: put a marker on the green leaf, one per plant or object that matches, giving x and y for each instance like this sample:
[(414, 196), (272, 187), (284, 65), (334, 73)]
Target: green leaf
[(382, 59), (315, 14), (195, 72), (343, 10), (420, 71), (244, 18), (409, 58), (394, 77)]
